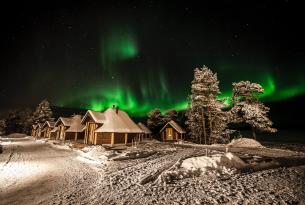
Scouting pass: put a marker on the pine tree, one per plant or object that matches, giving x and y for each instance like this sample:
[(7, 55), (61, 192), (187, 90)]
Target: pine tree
[(170, 115), (155, 120), (43, 112), (206, 121), (248, 109)]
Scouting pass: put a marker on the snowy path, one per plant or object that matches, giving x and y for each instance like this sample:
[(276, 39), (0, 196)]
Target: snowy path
[(33, 172)]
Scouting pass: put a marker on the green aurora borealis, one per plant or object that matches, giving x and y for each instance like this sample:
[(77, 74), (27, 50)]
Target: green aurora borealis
[(139, 92), (141, 55)]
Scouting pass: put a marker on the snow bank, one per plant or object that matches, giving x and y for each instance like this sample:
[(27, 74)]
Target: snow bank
[(217, 164), (16, 135), (134, 155), (225, 164), (97, 153), (60, 145), (245, 142)]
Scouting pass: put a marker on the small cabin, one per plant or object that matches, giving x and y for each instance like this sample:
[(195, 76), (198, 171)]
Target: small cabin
[(39, 130), (46, 129), (172, 132), (76, 130), (91, 121), (111, 127), (146, 132), (63, 123)]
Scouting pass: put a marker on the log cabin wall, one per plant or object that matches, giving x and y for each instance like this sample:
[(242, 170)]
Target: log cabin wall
[(53, 135), (80, 135), (69, 135), (103, 138), (131, 137), (119, 138)]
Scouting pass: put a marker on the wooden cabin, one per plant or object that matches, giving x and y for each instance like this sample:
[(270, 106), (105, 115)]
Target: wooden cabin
[(34, 130), (46, 129), (91, 121), (172, 132), (39, 130), (63, 123), (146, 132), (76, 130), (111, 127)]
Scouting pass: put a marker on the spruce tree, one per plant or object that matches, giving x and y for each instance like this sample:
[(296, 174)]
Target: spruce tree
[(43, 112), (155, 120), (170, 115)]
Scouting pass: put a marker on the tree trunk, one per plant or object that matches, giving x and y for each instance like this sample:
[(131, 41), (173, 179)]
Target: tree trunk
[(210, 127), (253, 132), (203, 126)]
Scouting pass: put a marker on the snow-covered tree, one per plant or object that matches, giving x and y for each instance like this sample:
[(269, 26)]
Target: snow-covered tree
[(170, 115), (206, 121), (248, 109), (2, 127), (43, 112), (155, 120)]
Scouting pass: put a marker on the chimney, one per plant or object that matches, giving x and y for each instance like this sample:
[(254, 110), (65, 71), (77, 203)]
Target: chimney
[(117, 110), (113, 106)]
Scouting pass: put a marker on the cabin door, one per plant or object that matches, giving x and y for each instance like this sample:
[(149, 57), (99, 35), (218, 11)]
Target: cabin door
[(91, 129), (169, 134)]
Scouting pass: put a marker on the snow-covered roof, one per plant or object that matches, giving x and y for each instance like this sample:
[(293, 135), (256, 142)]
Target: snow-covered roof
[(34, 126), (40, 125), (144, 128), (118, 121), (55, 129), (49, 124), (76, 125), (65, 120), (97, 117), (175, 126)]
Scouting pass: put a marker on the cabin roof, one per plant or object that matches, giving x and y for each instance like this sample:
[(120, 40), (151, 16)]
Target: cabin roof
[(97, 117), (144, 128), (65, 120), (118, 121), (55, 129), (49, 124), (34, 126), (40, 125), (174, 125), (76, 125)]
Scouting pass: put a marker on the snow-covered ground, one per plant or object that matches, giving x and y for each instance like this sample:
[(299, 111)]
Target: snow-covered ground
[(46, 172)]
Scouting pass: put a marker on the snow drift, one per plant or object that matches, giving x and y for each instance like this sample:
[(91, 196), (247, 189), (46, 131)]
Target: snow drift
[(225, 164), (97, 153), (245, 142), (217, 164), (16, 135)]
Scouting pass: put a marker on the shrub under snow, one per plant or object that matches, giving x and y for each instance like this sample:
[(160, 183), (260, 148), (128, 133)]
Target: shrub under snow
[(245, 142)]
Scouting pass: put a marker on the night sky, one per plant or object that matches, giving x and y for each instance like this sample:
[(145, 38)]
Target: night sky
[(141, 55)]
